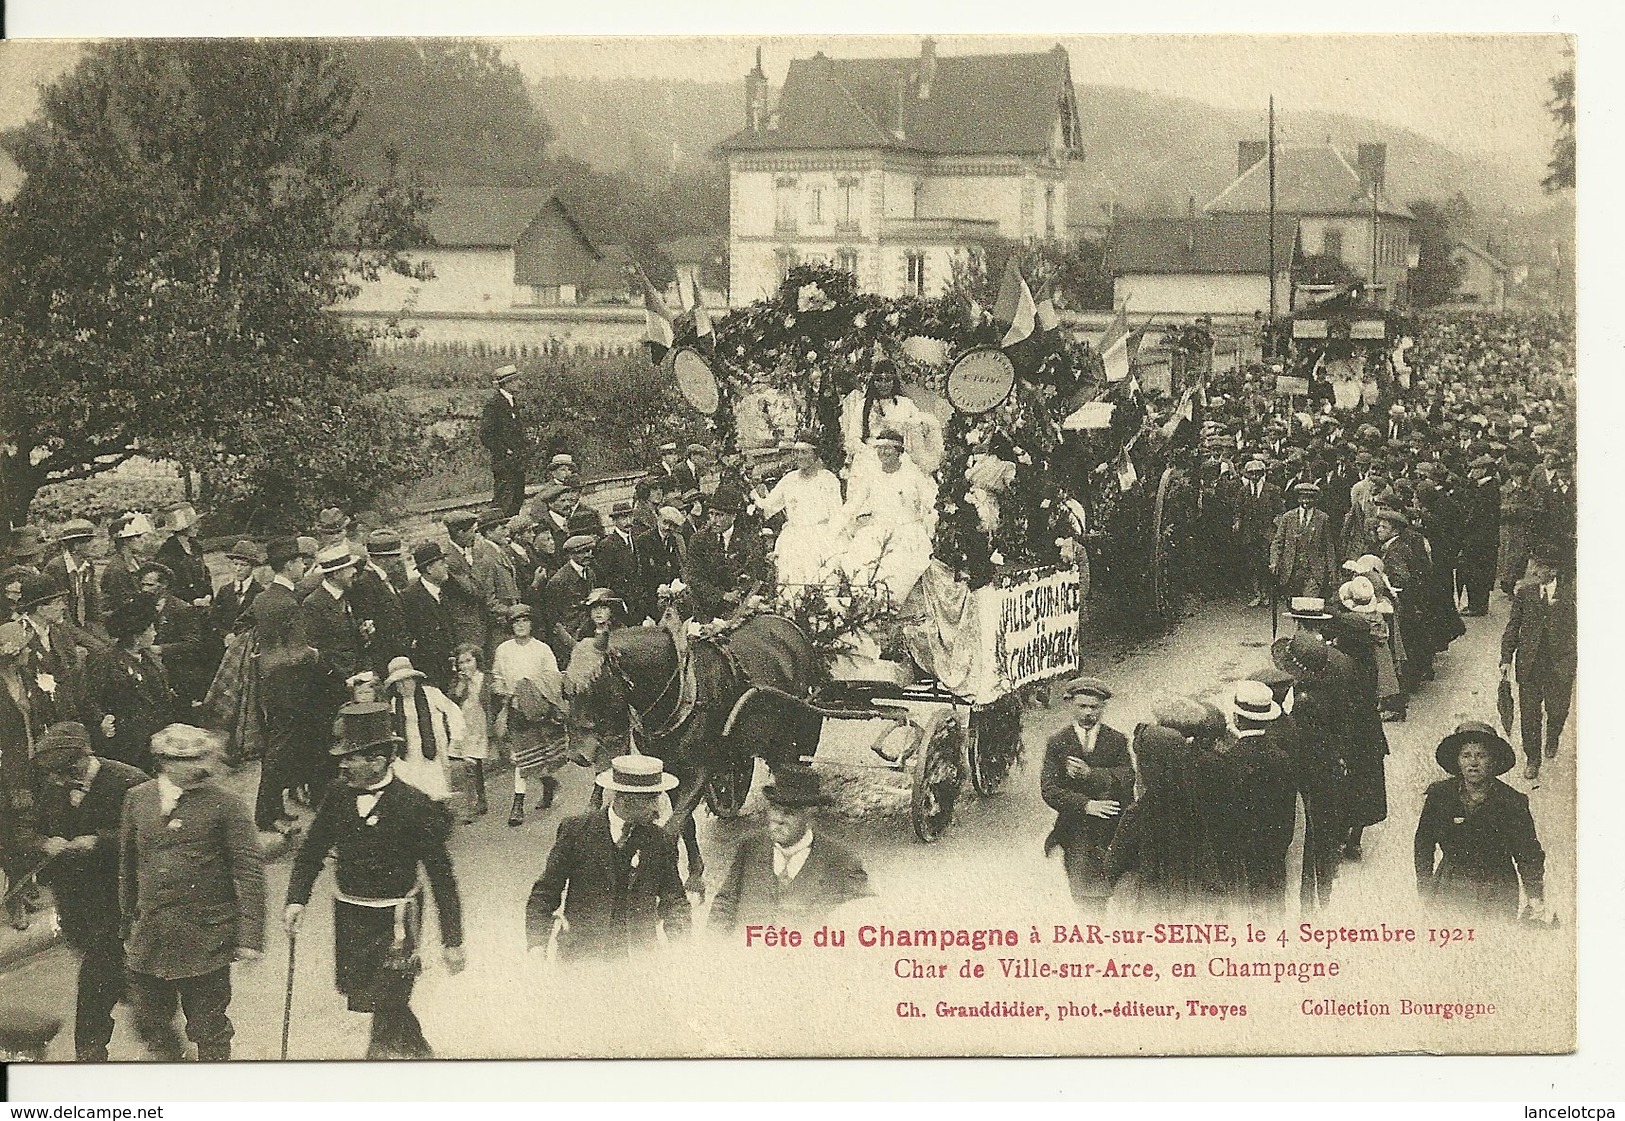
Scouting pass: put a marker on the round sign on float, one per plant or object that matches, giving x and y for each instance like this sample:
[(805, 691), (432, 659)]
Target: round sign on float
[(981, 380), (694, 380)]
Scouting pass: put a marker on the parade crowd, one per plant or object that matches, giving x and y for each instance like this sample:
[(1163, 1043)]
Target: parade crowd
[(383, 684)]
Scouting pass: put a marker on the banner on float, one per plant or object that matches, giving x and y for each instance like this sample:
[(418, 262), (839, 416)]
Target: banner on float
[(1031, 629)]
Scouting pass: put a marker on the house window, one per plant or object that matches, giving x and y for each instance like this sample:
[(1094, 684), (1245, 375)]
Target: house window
[(815, 206), (847, 259), (914, 273), (784, 214), (1049, 211), (1331, 243), (847, 203), (786, 259)]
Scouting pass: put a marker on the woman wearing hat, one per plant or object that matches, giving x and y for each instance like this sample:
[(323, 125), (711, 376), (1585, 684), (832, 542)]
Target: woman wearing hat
[(127, 697), (528, 691), (1475, 839), (605, 615), (429, 726), (128, 536), (810, 497)]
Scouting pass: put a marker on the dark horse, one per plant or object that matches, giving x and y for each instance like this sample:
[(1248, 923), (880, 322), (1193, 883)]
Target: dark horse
[(706, 712)]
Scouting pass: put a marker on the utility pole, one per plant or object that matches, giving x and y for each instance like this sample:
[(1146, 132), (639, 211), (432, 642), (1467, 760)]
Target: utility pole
[(1271, 326)]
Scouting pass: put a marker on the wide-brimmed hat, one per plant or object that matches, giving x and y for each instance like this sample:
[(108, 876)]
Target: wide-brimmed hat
[(1253, 700), (399, 669), (602, 595), (28, 543), (1502, 757), (1086, 686), (637, 774), (62, 746), (502, 375), (280, 550), (185, 741), (1307, 609), (364, 724), (426, 553), (75, 529), (384, 543), (249, 553), (336, 558), (332, 520), (795, 787), (179, 516), (1302, 655), (38, 590)]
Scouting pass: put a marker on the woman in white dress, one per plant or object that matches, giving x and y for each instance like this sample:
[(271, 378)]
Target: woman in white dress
[(810, 497), (891, 513), (429, 723), (879, 406), (529, 693), (471, 689)]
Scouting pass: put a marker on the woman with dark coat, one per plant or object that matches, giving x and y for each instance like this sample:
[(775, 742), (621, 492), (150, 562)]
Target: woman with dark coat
[(1484, 830), (126, 693), (1161, 859), (1366, 788)]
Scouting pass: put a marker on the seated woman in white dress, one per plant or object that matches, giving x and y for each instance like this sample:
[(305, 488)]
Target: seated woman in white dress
[(430, 723), (882, 405), (810, 497), (891, 513)]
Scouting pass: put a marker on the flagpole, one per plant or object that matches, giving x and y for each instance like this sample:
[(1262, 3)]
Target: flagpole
[(1271, 347)]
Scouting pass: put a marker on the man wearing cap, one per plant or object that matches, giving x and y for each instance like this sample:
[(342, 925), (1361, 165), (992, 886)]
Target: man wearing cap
[(375, 598), (1480, 534), (612, 874), (493, 571), (790, 873), (72, 569), (464, 599), (286, 666), (551, 509), (502, 432), (1087, 779), (521, 554), (128, 535), (183, 553), (1303, 556), (1261, 763), (1540, 644), (430, 630), (561, 469), (1258, 504), (665, 556), (564, 620), (618, 565), (1321, 717), (78, 806), (680, 475), (192, 896), (386, 838), (229, 613), (189, 648), (722, 558)]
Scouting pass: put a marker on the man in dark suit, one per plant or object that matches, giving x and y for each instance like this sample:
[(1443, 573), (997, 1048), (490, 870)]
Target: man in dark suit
[(77, 813), (1258, 504), (464, 599), (1481, 534), (183, 554), (428, 619), (192, 896), (375, 597), (618, 566), (503, 434), (723, 558), (1087, 779), (564, 620), (1541, 644), (1261, 763), (51, 649), (339, 638), (286, 668), (228, 614), (1555, 514), (664, 552), (790, 873), (189, 648), (381, 831), (613, 872), (73, 570), (677, 472), (1303, 556)]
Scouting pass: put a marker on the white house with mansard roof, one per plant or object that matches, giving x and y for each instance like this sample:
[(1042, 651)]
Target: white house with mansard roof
[(891, 167)]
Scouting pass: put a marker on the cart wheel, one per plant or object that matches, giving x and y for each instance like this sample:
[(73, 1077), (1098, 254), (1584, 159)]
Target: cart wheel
[(729, 787), (939, 772), (994, 743)]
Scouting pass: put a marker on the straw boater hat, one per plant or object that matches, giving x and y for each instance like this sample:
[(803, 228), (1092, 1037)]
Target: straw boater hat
[(637, 774), (504, 374), (184, 741), (362, 725), (1308, 609), (336, 558), (75, 529), (1253, 700), (1502, 757), (384, 543), (795, 787), (399, 669)]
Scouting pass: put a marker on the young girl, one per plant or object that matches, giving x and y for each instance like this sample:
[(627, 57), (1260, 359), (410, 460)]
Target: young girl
[(428, 723), (471, 689)]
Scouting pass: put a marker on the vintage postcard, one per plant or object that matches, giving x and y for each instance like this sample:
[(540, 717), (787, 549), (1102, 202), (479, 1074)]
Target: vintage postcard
[(822, 546)]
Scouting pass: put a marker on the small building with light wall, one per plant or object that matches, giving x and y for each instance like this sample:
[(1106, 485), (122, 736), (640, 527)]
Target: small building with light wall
[(1483, 279), (1200, 264)]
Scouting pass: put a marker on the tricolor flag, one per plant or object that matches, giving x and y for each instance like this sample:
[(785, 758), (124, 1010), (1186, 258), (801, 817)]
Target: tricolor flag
[(1114, 347), (657, 328), (1015, 306)]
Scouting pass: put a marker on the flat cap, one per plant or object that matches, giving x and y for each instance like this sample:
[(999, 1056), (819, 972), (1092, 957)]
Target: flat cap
[(1087, 686)]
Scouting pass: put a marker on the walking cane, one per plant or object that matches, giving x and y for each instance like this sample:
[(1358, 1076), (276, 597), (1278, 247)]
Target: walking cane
[(1275, 609), (18, 887), (287, 995)]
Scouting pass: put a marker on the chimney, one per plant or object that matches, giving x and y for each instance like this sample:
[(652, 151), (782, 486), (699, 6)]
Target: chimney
[(1249, 153), (756, 96), (1372, 162), (928, 66)]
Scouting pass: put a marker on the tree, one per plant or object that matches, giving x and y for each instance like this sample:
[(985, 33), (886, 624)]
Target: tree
[(1560, 172), (1076, 270), (167, 266), (1436, 274)]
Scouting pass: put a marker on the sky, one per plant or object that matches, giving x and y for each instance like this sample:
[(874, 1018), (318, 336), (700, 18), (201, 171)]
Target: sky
[(1478, 94)]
